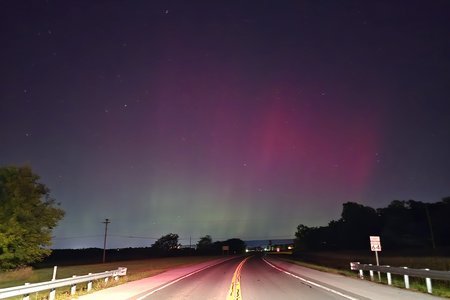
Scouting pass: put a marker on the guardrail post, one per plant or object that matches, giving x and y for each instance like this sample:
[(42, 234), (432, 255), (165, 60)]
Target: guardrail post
[(73, 288), (89, 285), (52, 294), (427, 274), (428, 282), (389, 278), (26, 296), (406, 277), (371, 273)]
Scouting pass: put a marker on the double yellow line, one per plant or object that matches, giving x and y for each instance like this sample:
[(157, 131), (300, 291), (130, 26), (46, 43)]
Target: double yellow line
[(235, 287)]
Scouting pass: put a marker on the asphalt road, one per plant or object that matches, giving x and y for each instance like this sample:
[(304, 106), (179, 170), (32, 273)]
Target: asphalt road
[(256, 277), (211, 283), (257, 280), (261, 281)]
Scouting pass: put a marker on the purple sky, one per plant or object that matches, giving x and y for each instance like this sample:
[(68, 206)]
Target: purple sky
[(228, 118)]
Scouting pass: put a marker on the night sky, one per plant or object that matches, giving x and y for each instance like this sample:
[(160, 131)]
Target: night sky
[(228, 118)]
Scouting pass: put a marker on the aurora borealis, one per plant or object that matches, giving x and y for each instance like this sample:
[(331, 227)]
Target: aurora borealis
[(227, 118)]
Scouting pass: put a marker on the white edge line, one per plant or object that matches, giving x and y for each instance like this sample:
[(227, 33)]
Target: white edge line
[(178, 279), (310, 282)]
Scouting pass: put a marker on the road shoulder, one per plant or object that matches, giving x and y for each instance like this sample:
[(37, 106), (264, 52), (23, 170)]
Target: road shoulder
[(362, 289), (133, 289)]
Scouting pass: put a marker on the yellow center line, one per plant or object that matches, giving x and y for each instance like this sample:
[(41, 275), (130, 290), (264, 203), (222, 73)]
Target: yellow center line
[(235, 287)]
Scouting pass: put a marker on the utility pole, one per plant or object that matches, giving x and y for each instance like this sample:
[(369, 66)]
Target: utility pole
[(430, 226), (106, 222)]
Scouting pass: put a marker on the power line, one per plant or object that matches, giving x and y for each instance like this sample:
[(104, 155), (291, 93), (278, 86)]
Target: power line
[(279, 237), (75, 237), (134, 237), (152, 238)]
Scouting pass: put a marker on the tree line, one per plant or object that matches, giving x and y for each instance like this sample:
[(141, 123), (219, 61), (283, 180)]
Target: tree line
[(168, 245), (402, 224)]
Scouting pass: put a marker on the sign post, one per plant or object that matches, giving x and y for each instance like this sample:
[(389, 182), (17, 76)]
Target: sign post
[(226, 249), (375, 246)]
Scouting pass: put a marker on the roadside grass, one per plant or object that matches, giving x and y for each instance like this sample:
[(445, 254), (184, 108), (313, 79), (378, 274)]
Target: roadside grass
[(440, 288), (136, 269), (339, 263), (317, 267), (342, 259), (16, 277)]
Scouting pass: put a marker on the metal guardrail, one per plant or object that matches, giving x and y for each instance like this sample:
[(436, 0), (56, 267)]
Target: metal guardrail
[(25, 290), (405, 271)]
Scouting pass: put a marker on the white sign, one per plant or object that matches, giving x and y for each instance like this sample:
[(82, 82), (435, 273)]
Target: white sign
[(225, 248), (375, 243)]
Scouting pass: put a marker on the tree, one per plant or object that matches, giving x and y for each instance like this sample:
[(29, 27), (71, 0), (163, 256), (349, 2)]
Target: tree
[(402, 224), (438, 220), (236, 246), (359, 222), (312, 238), (205, 244), (27, 217), (301, 237), (415, 224), (166, 243)]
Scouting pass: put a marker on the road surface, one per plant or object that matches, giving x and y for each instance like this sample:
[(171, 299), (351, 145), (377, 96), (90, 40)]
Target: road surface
[(253, 278), (258, 280)]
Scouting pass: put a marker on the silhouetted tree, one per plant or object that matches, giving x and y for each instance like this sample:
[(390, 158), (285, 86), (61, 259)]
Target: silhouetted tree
[(401, 224), (358, 223), (236, 245), (302, 235), (416, 224), (313, 238), (205, 244), (439, 219), (166, 243)]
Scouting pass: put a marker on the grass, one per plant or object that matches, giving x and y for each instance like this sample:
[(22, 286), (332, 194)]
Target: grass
[(342, 259), (339, 263), (136, 269), (315, 266)]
